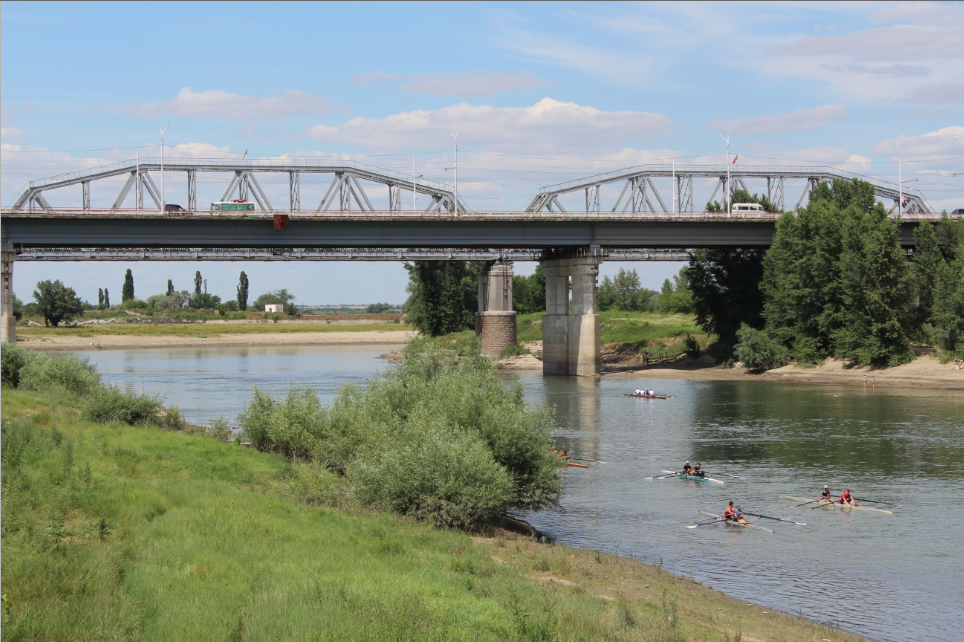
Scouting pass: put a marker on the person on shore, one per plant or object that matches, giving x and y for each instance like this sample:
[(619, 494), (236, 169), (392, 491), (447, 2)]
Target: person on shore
[(847, 499), (826, 495), (687, 469), (865, 380), (697, 472)]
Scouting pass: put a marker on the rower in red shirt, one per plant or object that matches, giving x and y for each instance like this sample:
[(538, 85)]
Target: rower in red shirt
[(729, 514), (847, 499)]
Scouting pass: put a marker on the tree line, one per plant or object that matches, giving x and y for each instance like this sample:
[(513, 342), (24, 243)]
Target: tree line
[(443, 295), (835, 283), (57, 303)]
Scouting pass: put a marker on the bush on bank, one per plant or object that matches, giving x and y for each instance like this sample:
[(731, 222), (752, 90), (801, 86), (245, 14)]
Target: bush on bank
[(437, 436), (31, 370)]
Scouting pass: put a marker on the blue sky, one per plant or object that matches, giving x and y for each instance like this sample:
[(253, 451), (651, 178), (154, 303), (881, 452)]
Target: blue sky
[(541, 93)]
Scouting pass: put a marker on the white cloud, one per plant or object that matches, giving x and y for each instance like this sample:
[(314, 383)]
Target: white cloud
[(899, 43), (949, 92), (549, 125), (468, 83), (221, 104), (887, 71), (799, 120), (9, 132), (921, 13), (942, 142)]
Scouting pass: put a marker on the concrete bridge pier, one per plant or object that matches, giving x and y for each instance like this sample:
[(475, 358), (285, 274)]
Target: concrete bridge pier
[(570, 338), (8, 323), (495, 322)]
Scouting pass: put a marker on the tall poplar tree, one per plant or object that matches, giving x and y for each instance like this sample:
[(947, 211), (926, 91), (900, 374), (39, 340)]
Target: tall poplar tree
[(197, 282), (242, 291), (100, 296), (127, 292), (170, 287)]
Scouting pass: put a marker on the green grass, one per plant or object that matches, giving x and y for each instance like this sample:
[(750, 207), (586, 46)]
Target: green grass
[(203, 330), (120, 532)]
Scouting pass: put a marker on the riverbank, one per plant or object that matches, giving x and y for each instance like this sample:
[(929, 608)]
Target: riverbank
[(140, 531), (923, 372), (220, 336)]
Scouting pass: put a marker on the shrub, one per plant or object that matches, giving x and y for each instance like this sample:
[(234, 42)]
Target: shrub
[(292, 426), (134, 304), (62, 372), (758, 351), (13, 359), (513, 350), (317, 485), (172, 418), (691, 346), (111, 403), (436, 474)]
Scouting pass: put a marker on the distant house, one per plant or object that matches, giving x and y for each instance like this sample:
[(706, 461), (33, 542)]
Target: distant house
[(274, 307)]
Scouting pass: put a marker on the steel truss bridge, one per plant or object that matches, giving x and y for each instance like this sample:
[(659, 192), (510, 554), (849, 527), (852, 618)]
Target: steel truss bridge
[(640, 194), (345, 192), (346, 227)]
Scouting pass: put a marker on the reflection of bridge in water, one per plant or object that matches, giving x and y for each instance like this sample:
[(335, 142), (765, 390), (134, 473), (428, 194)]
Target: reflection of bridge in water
[(346, 226)]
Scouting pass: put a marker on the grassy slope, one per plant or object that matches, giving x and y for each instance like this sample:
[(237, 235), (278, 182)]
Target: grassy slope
[(204, 330), (129, 532)]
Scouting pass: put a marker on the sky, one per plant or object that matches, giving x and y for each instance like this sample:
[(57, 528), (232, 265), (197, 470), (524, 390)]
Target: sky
[(540, 93)]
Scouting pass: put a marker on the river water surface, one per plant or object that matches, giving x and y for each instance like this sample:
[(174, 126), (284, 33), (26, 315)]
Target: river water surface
[(889, 577)]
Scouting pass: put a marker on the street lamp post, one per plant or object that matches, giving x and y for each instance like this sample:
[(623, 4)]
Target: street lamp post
[(414, 187), (456, 137), (727, 139), (163, 201)]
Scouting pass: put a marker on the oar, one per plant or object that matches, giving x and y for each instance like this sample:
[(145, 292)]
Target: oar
[(805, 503), (663, 476), (861, 499), (723, 475), (779, 519), (821, 505), (715, 521)]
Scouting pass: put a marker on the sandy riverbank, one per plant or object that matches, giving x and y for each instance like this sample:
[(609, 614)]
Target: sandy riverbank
[(118, 342), (923, 372)]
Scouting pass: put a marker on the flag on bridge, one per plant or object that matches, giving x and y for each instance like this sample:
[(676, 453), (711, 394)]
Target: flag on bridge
[(734, 158)]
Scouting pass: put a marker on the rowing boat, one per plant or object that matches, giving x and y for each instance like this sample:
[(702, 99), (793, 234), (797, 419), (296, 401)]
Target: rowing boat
[(732, 523), (646, 396), (804, 500), (575, 465), (692, 477)]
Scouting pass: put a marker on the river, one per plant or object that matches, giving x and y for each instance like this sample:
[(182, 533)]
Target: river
[(889, 577)]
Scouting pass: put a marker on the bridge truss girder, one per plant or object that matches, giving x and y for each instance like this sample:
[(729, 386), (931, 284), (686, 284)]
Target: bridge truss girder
[(329, 254), (345, 193), (641, 194)]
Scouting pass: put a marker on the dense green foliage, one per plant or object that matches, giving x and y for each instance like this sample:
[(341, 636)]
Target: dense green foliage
[(198, 281), (529, 292), (56, 302), (379, 308), (837, 282), (623, 292), (438, 437), (242, 292), (948, 286), (170, 287), (127, 290), (443, 295), (674, 297), (758, 351), (726, 294)]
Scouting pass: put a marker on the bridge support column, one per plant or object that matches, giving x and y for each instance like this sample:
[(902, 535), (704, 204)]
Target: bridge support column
[(495, 322), (8, 323), (570, 341)]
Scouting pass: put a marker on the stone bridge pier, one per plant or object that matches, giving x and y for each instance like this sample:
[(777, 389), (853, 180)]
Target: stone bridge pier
[(8, 324), (495, 322), (570, 335)]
